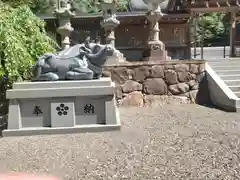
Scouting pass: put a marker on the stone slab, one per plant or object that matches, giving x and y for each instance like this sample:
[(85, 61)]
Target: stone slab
[(62, 130), (61, 110), (90, 110), (42, 112), (34, 113), (60, 92), (16, 116), (62, 84), (86, 119), (62, 114)]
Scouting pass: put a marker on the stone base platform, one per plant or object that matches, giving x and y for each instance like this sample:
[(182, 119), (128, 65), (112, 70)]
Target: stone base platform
[(64, 130), (62, 107)]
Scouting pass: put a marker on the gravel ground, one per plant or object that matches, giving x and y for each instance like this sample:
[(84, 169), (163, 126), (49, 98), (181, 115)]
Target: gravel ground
[(170, 142)]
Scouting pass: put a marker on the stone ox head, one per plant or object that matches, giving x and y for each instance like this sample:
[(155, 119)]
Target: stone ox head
[(100, 54)]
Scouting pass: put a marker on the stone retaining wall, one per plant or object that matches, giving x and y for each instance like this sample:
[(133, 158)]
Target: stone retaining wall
[(142, 83)]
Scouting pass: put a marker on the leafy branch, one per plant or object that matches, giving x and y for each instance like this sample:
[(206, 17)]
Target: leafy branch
[(22, 40), (212, 27)]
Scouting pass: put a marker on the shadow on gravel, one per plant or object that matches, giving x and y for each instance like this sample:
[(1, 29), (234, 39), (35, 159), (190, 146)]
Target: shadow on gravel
[(203, 95), (3, 123), (222, 109)]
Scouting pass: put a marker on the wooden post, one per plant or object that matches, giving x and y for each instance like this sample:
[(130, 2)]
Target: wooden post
[(232, 33), (195, 37), (202, 40), (202, 45), (224, 51), (192, 36)]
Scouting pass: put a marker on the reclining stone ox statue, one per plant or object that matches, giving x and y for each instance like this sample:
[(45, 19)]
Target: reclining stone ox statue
[(80, 62)]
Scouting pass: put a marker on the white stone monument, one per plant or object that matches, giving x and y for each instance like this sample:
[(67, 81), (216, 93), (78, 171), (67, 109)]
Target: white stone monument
[(59, 107)]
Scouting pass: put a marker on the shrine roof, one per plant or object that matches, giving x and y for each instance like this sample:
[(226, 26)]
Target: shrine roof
[(138, 8), (188, 5), (210, 3)]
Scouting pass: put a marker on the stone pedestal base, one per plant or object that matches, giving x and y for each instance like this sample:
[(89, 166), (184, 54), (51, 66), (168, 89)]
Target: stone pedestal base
[(155, 52), (37, 108), (155, 55), (117, 57)]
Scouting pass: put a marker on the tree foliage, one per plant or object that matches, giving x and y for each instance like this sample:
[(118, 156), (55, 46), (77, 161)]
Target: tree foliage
[(212, 28), (16, 3), (22, 40), (86, 6), (92, 6), (123, 5), (37, 6), (81, 6), (42, 6)]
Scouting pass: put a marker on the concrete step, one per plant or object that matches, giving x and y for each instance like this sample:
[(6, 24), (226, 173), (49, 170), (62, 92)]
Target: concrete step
[(232, 82), (222, 96), (230, 76), (237, 93), (217, 63), (229, 67), (225, 72), (224, 62), (225, 65), (234, 61), (235, 87)]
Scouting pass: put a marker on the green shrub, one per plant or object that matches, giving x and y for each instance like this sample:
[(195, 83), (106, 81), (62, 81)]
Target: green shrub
[(22, 40), (212, 28), (92, 6)]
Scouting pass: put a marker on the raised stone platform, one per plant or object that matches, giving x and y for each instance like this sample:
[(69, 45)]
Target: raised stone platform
[(61, 107)]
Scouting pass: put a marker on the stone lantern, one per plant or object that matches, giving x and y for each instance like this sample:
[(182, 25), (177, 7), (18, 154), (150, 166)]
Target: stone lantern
[(109, 23), (155, 48), (64, 14)]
